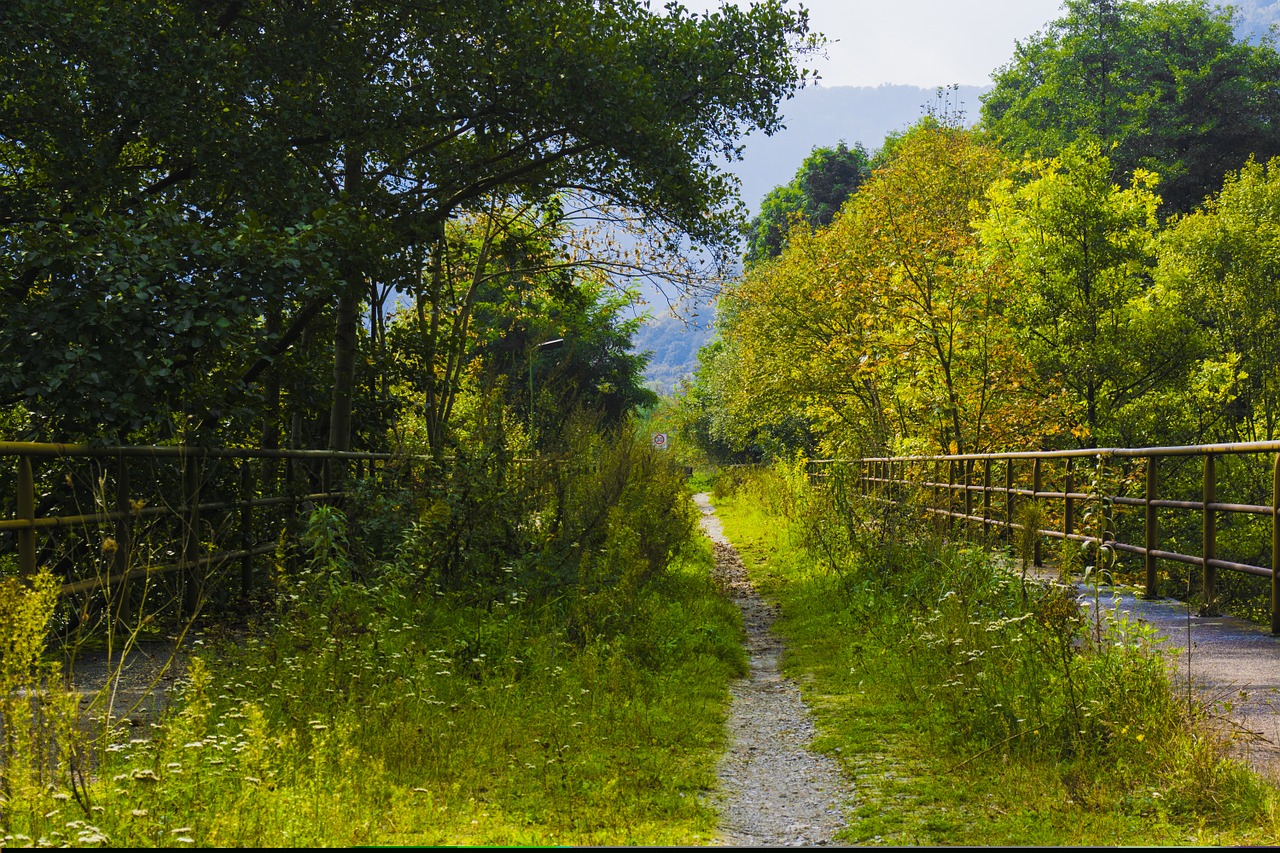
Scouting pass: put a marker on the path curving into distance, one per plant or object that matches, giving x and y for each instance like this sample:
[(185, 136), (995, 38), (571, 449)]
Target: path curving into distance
[(774, 791)]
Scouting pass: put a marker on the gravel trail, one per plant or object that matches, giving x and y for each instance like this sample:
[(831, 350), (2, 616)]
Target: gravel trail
[(773, 790)]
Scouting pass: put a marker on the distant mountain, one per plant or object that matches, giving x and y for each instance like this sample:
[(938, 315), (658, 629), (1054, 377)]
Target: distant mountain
[(674, 346)]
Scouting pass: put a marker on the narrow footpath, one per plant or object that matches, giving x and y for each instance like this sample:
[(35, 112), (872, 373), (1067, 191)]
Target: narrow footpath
[(774, 791)]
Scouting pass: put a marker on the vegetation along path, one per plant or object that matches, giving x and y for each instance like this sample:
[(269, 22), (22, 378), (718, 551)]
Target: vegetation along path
[(774, 790), (1231, 665)]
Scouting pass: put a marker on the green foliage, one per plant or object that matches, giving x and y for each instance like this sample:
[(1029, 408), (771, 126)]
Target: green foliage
[(822, 184), (968, 713), (41, 756), (1221, 264), (1082, 250), (580, 702), (1166, 84), (190, 193)]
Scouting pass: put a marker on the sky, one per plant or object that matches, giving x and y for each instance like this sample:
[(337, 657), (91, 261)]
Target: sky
[(917, 42)]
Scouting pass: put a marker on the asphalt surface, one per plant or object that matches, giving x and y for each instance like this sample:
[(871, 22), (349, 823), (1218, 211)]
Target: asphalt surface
[(1231, 666)]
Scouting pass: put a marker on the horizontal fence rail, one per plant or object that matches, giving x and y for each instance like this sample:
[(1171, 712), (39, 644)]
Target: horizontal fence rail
[(84, 510), (984, 490)]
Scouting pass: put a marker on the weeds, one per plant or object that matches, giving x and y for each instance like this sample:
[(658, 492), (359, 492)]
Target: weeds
[(1026, 723), (567, 685)]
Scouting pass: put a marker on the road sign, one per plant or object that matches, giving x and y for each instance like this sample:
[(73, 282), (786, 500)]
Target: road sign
[(659, 441)]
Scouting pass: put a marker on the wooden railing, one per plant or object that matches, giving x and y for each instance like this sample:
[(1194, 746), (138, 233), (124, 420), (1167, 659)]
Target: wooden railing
[(79, 508), (985, 488)]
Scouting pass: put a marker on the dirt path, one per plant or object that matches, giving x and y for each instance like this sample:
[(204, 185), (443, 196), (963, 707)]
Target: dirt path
[(773, 790)]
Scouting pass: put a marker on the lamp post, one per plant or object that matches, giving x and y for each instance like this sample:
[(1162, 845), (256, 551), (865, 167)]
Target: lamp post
[(554, 343)]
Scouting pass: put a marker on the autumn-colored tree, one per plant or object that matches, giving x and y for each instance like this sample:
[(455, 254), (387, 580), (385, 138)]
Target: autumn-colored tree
[(886, 328), (794, 344), (942, 342)]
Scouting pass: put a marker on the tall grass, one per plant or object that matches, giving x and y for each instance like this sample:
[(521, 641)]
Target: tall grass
[(577, 696), (1002, 716)]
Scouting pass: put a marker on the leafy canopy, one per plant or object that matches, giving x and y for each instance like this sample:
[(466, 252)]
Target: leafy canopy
[(822, 184), (188, 191), (1162, 86)]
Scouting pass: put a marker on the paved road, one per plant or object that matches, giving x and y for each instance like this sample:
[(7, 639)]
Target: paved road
[(1234, 666)]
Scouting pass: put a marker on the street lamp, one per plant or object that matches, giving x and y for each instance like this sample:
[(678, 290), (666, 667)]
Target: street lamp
[(554, 343)]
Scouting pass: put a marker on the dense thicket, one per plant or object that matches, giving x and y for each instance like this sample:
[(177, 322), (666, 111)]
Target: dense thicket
[(1161, 86), (206, 210)]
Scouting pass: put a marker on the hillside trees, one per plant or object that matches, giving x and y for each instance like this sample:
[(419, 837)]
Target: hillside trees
[(501, 285), (886, 327), (1162, 86), (189, 193), (1222, 263)]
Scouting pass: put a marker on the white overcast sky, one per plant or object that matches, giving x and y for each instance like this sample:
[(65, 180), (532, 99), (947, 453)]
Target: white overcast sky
[(916, 42)]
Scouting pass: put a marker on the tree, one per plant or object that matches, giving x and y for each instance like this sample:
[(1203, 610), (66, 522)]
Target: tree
[(820, 187), (1162, 86), (1222, 265), (285, 165), (885, 330), (1082, 249)]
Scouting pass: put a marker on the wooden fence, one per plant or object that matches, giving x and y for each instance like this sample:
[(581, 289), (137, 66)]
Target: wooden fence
[(981, 491), (79, 508)]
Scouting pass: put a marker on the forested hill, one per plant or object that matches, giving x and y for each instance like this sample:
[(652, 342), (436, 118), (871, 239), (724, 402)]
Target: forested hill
[(674, 345)]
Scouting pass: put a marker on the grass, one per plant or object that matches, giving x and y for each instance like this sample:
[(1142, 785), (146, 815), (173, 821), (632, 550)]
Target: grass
[(575, 694), (433, 722), (962, 719)]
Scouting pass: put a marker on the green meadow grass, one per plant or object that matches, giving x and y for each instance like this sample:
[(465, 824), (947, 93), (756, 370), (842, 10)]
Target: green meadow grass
[(968, 712)]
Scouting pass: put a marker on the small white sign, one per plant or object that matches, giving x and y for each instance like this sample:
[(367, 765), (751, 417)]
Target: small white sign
[(659, 441)]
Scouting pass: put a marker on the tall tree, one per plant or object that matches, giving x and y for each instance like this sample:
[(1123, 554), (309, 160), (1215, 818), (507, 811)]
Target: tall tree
[(822, 184), (886, 328), (254, 168), (1163, 86), (1222, 264), (1082, 249)]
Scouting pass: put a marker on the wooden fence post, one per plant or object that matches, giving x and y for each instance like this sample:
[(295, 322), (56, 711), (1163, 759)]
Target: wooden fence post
[(27, 511), (247, 541), (1008, 500), (1068, 503), (937, 497), (1275, 546), (1208, 547), (1152, 529), (986, 501), (1035, 491), (123, 531), (951, 495), (191, 587), (968, 495)]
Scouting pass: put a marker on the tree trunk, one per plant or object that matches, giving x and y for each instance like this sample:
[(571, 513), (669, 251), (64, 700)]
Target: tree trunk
[(344, 333)]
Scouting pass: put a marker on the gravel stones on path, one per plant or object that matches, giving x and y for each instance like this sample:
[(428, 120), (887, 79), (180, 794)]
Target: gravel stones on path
[(774, 791)]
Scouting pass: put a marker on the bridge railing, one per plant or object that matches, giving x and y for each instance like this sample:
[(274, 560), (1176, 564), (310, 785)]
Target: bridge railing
[(983, 490), (85, 510)]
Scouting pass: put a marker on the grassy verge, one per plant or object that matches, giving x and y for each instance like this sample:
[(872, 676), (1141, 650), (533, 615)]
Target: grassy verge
[(568, 689), (968, 711), (428, 721)]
